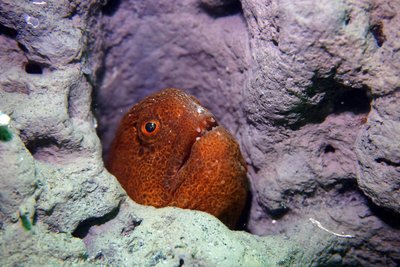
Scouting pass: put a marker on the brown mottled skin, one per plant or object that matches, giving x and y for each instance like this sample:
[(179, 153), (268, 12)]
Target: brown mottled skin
[(188, 161)]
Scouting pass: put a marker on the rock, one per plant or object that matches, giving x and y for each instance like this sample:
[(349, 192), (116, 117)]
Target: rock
[(18, 184), (39, 247), (51, 113), (144, 236), (53, 173), (379, 153), (317, 69)]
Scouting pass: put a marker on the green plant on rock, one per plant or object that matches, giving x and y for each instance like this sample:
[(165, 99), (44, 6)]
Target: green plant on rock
[(5, 134), (26, 222)]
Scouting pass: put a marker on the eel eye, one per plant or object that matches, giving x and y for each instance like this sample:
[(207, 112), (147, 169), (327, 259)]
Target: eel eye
[(150, 128)]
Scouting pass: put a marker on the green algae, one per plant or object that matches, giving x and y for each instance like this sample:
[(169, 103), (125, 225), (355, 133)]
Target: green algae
[(26, 222), (5, 134)]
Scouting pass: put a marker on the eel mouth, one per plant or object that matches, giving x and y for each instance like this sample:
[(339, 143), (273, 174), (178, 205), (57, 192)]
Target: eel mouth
[(207, 125)]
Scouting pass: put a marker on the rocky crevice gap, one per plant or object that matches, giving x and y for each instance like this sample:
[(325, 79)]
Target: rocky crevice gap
[(82, 230)]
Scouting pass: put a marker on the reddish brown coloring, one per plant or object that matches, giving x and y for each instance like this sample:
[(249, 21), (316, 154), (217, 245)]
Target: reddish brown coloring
[(169, 151)]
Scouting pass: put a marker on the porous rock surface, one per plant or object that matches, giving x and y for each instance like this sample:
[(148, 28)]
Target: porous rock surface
[(142, 236), (322, 119), (309, 88)]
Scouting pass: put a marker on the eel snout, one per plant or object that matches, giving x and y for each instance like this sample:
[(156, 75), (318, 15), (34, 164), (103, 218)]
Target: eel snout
[(207, 124)]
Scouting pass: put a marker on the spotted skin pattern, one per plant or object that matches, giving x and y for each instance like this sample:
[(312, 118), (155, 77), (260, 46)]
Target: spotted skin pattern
[(187, 161)]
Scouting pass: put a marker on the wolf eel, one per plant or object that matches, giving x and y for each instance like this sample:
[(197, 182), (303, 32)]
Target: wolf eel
[(170, 151)]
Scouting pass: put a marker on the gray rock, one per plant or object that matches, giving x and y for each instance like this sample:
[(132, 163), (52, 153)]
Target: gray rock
[(52, 173), (312, 133), (378, 152), (18, 184), (39, 247), (52, 117), (144, 236)]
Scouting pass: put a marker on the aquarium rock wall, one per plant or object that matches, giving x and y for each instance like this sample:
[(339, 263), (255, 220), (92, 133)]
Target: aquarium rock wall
[(309, 88)]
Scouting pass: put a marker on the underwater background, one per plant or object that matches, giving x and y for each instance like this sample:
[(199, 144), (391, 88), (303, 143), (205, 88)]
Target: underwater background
[(310, 90)]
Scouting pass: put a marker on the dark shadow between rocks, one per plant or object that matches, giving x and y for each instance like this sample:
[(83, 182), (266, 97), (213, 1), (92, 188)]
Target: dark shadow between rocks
[(9, 32), (50, 150), (336, 98), (35, 145), (241, 225), (111, 7), (222, 9), (387, 162), (329, 149), (377, 32), (387, 216), (33, 68), (83, 228)]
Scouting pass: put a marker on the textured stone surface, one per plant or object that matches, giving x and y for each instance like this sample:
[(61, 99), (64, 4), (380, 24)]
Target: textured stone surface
[(378, 151), (39, 247), (52, 173), (17, 182), (143, 236), (48, 100), (312, 132)]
